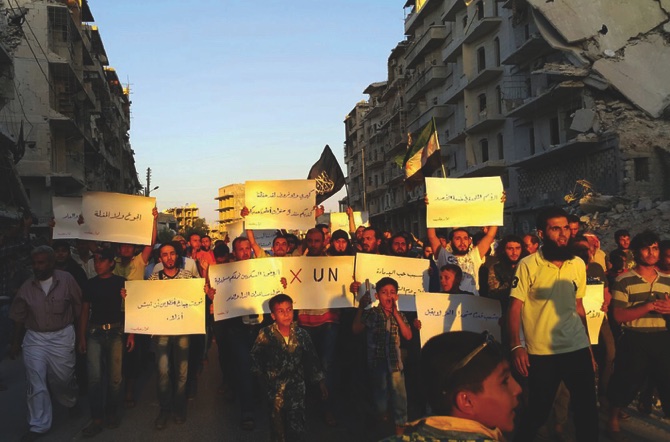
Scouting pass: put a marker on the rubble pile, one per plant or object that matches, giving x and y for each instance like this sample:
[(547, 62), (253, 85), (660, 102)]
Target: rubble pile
[(604, 215)]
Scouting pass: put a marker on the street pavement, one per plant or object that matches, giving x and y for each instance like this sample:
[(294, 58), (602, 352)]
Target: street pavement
[(213, 417)]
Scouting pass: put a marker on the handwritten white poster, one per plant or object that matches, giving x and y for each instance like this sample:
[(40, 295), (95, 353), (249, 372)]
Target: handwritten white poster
[(317, 282), (410, 273), (593, 302), (234, 230), (117, 217), (287, 204), (66, 215), (462, 202), (440, 312), (264, 238), (244, 287), (340, 220), (165, 307)]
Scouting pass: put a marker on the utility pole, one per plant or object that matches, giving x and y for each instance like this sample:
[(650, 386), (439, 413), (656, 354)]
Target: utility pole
[(147, 189)]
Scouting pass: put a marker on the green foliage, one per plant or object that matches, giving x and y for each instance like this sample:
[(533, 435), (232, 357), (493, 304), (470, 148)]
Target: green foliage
[(165, 235), (199, 226)]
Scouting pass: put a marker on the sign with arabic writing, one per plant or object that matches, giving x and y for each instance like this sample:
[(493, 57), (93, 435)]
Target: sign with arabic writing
[(340, 220), (286, 204), (117, 217), (463, 202), (244, 287), (410, 273), (318, 282), (440, 312), (165, 307), (593, 302), (66, 214)]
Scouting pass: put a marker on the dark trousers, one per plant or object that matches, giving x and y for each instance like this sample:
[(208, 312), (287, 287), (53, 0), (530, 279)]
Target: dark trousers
[(324, 338), (544, 375), (641, 356)]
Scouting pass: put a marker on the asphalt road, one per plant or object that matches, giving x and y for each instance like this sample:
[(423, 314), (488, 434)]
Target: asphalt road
[(213, 417)]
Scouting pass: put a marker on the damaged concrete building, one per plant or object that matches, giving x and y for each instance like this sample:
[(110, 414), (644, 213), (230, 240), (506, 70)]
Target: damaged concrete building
[(540, 93), (73, 109)]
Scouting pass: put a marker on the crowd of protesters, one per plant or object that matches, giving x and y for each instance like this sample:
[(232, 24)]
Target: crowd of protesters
[(69, 323)]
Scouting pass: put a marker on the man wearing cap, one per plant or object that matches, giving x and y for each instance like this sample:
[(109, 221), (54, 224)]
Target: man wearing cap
[(44, 312)]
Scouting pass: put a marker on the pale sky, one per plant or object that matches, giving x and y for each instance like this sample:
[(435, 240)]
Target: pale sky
[(228, 91)]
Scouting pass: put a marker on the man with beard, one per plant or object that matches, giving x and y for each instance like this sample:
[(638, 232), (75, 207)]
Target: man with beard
[(622, 239), (175, 349), (640, 303), (468, 260), (44, 310), (501, 274), (546, 298)]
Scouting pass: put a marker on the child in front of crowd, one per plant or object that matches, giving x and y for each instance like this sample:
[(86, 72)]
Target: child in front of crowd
[(384, 325), (470, 390), (283, 356)]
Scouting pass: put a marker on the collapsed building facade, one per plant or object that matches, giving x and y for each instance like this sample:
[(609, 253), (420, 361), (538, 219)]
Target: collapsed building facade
[(69, 108), (543, 94)]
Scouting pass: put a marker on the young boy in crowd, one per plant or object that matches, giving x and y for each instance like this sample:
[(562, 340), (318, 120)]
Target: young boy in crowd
[(469, 387), (283, 355), (385, 324)]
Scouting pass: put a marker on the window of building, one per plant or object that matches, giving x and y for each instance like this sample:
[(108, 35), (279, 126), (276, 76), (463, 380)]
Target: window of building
[(555, 137), (480, 10), (499, 99), (484, 145), (465, 23), (531, 139), (481, 59), (501, 149), (529, 87), (641, 169), (496, 51), (482, 102)]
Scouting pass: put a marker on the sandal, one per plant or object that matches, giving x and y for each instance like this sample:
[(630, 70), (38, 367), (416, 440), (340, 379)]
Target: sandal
[(92, 430)]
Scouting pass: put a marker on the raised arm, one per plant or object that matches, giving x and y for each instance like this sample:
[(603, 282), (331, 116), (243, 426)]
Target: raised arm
[(250, 235), (146, 251), (485, 244)]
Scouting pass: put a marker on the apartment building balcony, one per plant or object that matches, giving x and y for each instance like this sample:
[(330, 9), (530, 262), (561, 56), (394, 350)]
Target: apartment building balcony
[(453, 50), (484, 76), (375, 163), (439, 112), (548, 100), (412, 20), (481, 28), (560, 152), (456, 91), (486, 168), (456, 136), (534, 47), (451, 9), (429, 79), (485, 121), (430, 40)]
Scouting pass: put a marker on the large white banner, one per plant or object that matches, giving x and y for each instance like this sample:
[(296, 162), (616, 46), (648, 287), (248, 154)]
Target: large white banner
[(462, 202), (66, 216), (117, 217), (340, 220), (317, 282), (165, 307), (287, 204), (244, 287), (410, 273), (593, 302), (440, 312)]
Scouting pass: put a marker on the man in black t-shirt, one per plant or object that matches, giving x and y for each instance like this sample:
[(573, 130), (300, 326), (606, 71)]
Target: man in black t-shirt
[(101, 339)]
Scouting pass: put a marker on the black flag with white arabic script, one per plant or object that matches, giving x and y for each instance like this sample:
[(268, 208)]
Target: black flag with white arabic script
[(328, 175)]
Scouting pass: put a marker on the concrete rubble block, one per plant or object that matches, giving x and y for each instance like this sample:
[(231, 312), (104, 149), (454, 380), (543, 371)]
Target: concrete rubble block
[(597, 203), (578, 20), (620, 208), (583, 120), (645, 203), (648, 89)]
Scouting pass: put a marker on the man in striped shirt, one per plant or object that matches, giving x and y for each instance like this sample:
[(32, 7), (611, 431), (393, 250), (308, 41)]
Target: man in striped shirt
[(641, 304)]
